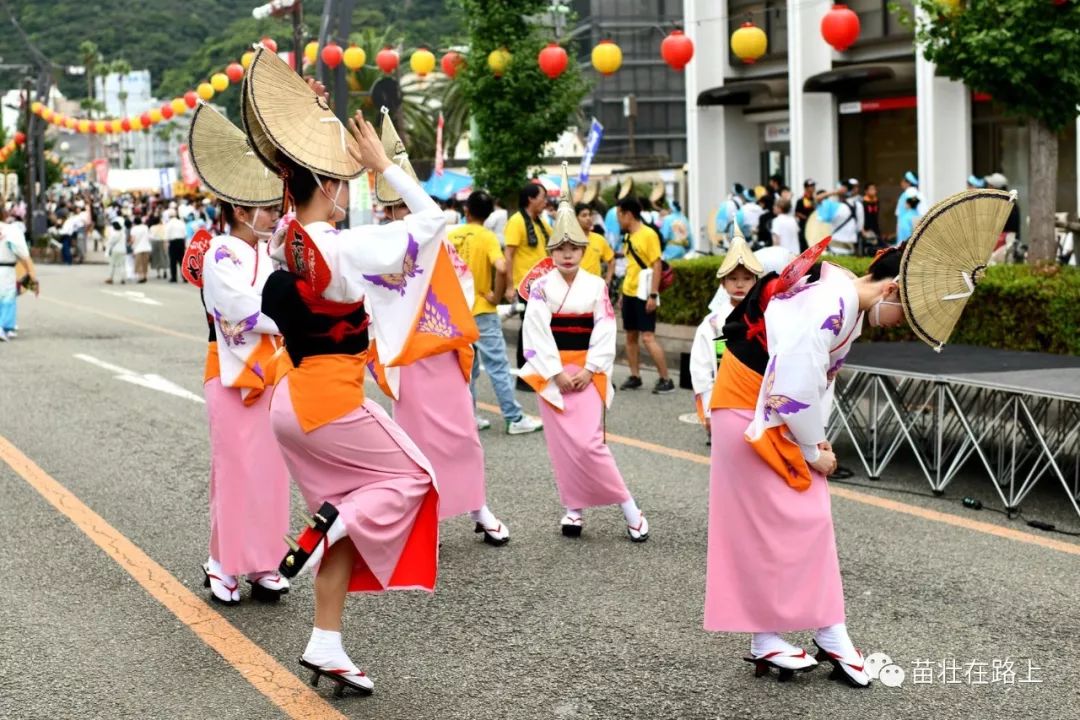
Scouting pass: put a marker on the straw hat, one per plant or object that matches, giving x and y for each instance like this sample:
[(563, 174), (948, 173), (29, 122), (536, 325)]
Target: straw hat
[(567, 228), (816, 229), (945, 258), (591, 191), (657, 193), (579, 193), (226, 163), (625, 188), (395, 150), (258, 141), (295, 121), (739, 254)]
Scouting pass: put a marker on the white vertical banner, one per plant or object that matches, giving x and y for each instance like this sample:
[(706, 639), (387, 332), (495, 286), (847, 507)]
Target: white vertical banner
[(360, 211)]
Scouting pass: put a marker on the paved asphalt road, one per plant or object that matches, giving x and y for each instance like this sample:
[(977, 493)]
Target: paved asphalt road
[(545, 627)]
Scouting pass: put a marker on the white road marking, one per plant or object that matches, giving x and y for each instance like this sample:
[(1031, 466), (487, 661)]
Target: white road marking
[(132, 295), (146, 380)]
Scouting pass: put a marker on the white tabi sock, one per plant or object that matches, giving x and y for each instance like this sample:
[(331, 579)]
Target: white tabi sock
[(336, 531), (485, 517), (762, 644), (325, 648), (631, 512), (573, 514), (835, 639)]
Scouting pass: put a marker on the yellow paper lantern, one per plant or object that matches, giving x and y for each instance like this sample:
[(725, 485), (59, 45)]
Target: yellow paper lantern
[(246, 59), (101, 127), (422, 62), (156, 116), (46, 114), (205, 91), (220, 82), (311, 52), (36, 107), (355, 57), (136, 123), (83, 126), (607, 57), (498, 60), (116, 126), (749, 42), (179, 107)]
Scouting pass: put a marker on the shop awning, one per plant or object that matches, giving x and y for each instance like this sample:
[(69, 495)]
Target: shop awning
[(848, 78)]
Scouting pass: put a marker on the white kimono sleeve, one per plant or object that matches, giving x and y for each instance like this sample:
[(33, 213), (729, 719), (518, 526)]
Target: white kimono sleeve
[(540, 349), (601, 355), (232, 296), (703, 360)]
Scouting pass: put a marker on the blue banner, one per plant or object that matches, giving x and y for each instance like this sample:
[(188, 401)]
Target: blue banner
[(596, 133)]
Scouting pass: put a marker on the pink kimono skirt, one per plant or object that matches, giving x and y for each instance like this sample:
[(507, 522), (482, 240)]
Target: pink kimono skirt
[(585, 471), (369, 469), (772, 564), (249, 484), (435, 409)]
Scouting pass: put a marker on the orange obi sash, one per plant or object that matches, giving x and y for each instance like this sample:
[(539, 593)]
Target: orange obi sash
[(212, 368), (737, 388), (378, 370), (571, 357), (325, 388)]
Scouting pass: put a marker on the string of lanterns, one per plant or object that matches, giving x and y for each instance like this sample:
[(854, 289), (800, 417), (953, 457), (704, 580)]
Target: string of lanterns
[(9, 147), (839, 28)]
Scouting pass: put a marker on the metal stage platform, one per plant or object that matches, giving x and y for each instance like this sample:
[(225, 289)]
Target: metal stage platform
[(1018, 413)]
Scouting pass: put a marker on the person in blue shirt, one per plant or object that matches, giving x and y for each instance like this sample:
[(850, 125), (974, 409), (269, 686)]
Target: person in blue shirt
[(907, 218), (675, 232)]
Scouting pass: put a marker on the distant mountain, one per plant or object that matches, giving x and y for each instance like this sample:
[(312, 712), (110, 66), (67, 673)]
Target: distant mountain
[(182, 41)]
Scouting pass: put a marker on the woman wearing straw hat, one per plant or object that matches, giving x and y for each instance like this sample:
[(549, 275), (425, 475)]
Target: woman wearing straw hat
[(569, 340), (772, 564), (249, 484), (375, 521), (445, 430)]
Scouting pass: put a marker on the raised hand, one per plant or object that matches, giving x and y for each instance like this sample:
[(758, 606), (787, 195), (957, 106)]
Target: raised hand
[(369, 150)]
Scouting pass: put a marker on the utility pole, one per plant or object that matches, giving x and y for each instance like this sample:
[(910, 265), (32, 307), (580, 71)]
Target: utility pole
[(336, 22), (298, 37), (29, 193)]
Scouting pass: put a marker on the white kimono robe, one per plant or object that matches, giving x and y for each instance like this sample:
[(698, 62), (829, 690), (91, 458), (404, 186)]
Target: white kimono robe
[(703, 357), (234, 273), (810, 330), (549, 295)]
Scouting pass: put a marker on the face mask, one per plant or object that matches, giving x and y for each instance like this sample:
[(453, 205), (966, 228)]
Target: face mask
[(260, 234), (337, 208), (875, 312)]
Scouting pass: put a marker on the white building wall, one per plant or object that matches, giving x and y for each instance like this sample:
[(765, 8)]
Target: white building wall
[(944, 118), (813, 116)]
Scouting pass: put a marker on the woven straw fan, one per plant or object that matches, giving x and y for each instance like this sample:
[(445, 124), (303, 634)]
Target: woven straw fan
[(226, 163), (946, 257), (296, 121), (816, 229)]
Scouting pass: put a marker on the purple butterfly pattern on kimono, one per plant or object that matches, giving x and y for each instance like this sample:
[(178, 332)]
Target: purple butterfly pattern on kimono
[(788, 294), (436, 319), (609, 311), (536, 290), (832, 372), (529, 354), (835, 323), (257, 369), (409, 268), (233, 333), (224, 252), (779, 404)]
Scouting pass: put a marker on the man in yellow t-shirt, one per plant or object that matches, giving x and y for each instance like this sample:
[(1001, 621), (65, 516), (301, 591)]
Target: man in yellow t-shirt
[(598, 251), (639, 316), (526, 245), (479, 248)]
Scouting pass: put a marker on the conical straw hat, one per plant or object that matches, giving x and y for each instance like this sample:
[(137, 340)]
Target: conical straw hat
[(567, 228), (945, 258), (296, 121), (257, 139), (816, 229), (625, 188), (657, 193), (226, 163), (739, 254), (591, 192), (395, 150)]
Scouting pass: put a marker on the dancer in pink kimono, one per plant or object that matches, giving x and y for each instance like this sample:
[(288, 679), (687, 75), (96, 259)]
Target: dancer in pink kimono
[(443, 430), (569, 341), (249, 484), (373, 495)]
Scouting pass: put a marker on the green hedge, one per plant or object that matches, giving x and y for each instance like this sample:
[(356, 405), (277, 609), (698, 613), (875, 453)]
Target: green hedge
[(1015, 307)]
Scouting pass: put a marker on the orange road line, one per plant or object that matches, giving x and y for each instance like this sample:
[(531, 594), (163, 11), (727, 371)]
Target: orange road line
[(266, 674), (864, 498), (845, 493)]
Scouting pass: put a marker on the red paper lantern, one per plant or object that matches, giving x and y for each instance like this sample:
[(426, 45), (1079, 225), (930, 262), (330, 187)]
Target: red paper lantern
[(20, 137), (840, 27), (92, 128), (269, 44), (553, 60), (387, 60), (235, 72), (332, 55), (191, 99), (450, 63), (125, 125), (147, 121), (677, 49), (167, 111)]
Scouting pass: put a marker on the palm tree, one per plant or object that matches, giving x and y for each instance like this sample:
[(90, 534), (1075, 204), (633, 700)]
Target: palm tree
[(122, 68), (91, 58)]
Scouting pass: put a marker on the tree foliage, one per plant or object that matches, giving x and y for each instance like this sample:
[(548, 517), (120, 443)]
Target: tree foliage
[(1024, 53), (516, 114)]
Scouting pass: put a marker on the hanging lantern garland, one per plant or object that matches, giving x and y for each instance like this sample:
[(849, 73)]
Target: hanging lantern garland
[(498, 60), (332, 55), (677, 50), (607, 57), (840, 27), (354, 57), (749, 42), (387, 59), (553, 60), (451, 62), (422, 62)]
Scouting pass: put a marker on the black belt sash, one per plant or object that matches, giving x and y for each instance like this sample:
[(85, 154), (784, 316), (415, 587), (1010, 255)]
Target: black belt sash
[(572, 332)]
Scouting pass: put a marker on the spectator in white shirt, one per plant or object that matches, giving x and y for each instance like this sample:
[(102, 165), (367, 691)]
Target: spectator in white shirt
[(785, 228), (140, 248), (175, 235)]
